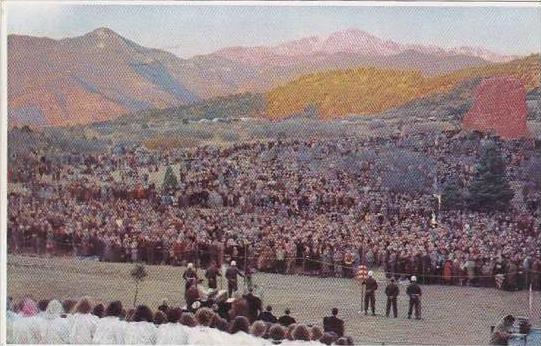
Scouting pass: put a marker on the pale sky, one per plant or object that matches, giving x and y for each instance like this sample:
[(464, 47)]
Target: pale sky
[(191, 30)]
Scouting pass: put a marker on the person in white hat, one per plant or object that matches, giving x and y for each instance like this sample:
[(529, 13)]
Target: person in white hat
[(231, 275), (370, 295), (196, 305), (414, 292), (190, 276)]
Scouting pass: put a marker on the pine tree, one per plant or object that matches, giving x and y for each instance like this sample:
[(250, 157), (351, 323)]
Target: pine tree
[(490, 189), (169, 180), (311, 111), (453, 196)]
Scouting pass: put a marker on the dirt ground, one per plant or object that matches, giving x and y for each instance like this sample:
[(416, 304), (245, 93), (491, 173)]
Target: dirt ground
[(451, 315)]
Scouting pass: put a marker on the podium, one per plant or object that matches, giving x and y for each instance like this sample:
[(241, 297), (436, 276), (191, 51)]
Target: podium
[(533, 338)]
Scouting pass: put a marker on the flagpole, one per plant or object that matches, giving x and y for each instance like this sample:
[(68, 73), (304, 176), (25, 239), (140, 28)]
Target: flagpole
[(530, 301)]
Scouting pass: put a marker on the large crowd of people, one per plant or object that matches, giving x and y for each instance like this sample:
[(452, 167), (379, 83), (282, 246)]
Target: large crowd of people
[(317, 207), (218, 322)]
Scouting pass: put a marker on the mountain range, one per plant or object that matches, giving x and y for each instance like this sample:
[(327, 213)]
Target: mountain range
[(102, 75), (350, 41)]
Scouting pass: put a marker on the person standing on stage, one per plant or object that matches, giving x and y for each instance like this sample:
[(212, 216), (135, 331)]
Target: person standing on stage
[(190, 276), (370, 296), (212, 274), (231, 275), (392, 291), (414, 292)]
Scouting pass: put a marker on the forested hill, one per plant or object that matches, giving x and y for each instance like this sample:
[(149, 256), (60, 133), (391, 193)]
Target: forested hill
[(372, 90)]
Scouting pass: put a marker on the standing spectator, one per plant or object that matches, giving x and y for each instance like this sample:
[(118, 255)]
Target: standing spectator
[(392, 291), (370, 295), (190, 276), (231, 274), (212, 274), (414, 293), (280, 260)]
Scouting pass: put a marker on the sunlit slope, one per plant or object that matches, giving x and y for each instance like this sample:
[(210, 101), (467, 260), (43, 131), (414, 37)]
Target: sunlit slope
[(372, 90)]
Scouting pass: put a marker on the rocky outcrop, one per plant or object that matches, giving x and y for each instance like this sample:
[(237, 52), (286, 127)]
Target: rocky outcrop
[(499, 108)]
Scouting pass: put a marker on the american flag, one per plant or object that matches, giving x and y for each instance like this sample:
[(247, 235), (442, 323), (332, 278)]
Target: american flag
[(500, 278)]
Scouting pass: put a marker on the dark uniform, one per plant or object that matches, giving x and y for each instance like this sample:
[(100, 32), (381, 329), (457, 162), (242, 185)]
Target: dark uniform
[(333, 324), (414, 292), (267, 316), (286, 320), (254, 306), (231, 276), (212, 274), (392, 292), (190, 276), (370, 296)]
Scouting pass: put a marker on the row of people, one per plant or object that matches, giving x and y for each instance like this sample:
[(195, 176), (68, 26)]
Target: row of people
[(55, 322), (392, 291)]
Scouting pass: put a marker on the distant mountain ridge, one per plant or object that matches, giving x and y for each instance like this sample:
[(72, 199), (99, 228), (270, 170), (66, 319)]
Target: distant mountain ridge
[(102, 75), (352, 41), (88, 78)]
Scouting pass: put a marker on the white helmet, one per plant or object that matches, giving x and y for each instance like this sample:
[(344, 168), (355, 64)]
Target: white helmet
[(414, 278), (370, 273), (233, 263), (190, 265)]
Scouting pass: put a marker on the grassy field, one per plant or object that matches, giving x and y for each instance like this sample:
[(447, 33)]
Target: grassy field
[(458, 315)]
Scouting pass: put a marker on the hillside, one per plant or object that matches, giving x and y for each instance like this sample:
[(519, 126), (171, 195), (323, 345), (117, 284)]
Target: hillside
[(233, 106), (371, 90)]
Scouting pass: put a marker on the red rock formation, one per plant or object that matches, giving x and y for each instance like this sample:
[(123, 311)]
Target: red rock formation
[(499, 108)]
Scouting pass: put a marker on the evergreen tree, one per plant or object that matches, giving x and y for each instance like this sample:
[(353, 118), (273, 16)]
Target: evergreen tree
[(453, 196), (539, 216), (490, 189), (169, 180), (311, 111)]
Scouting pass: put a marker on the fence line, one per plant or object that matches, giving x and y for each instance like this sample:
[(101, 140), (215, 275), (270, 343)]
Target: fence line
[(523, 279), (241, 258)]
